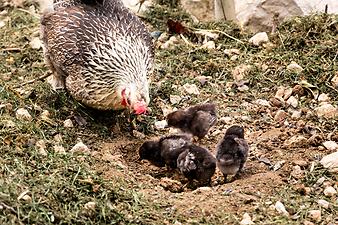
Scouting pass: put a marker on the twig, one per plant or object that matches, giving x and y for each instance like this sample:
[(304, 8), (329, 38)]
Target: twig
[(30, 13), (8, 207), (34, 80), (186, 41), (10, 49), (219, 31)]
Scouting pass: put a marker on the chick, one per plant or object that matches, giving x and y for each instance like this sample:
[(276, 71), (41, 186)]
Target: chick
[(197, 163), (232, 152), (172, 146), (196, 120), (164, 151)]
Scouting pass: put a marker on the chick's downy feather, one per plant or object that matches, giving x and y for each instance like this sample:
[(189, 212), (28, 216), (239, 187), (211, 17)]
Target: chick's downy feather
[(100, 52)]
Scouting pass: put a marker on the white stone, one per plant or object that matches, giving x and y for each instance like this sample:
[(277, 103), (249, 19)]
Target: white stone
[(161, 124), (330, 145), (45, 114), (259, 38), (330, 161), (68, 123), (292, 101), (323, 97), (280, 93), (243, 88), (262, 102), (330, 191), (226, 120), (36, 43), (23, 114), (202, 190), (246, 220), (239, 72), (323, 203), (41, 147), (80, 147), (231, 52), (138, 134), (209, 45), (90, 205), (59, 149), (294, 67), (326, 110), (174, 99), (191, 89), (315, 215), (334, 81), (287, 93), (296, 114), (280, 208), (280, 115), (297, 172)]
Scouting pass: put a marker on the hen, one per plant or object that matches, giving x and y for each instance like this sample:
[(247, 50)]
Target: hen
[(100, 52)]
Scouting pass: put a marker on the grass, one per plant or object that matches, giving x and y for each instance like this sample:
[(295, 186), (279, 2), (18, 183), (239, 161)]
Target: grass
[(60, 185)]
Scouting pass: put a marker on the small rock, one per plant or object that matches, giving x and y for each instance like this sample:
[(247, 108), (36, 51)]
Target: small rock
[(330, 145), (296, 114), (246, 220), (202, 190), (280, 208), (306, 222), (226, 120), (280, 115), (163, 37), (334, 81), (304, 190), (68, 123), (243, 88), (296, 141), (320, 181), (36, 43), (203, 79), (58, 138), (191, 89), (138, 134), (24, 196), (297, 172), (239, 72), (262, 102), (298, 90), (323, 97), (9, 123), (23, 114), (294, 67), (45, 115), (292, 101), (231, 52), (209, 45), (326, 110), (80, 148), (90, 206), (315, 215), (161, 124), (59, 149), (278, 165), (330, 191), (259, 38), (280, 92), (323, 203), (330, 161), (174, 99), (41, 146), (301, 163), (287, 93)]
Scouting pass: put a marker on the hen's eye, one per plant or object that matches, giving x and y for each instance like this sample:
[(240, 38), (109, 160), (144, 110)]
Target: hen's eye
[(128, 101)]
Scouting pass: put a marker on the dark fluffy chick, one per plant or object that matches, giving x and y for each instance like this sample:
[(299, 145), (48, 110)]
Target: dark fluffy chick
[(232, 152), (165, 151), (197, 163), (196, 120)]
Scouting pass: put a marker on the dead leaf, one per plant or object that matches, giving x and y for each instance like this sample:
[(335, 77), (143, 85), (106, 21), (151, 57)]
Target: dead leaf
[(176, 27)]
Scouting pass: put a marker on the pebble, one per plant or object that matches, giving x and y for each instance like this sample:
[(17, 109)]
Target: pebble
[(297, 172), (161, 124), (174, 99), (294, 67), (45, 115), (138, 134), (334, 81), (330, 191), (80, 148), (326, 110), (68, 123), (296, 141), (330, 161), (23, 114), (246, 219), (90, 206), (280, 92), (323, 97), (202, 189), (232, 51), (315, 215), (226, 120), (287, 93), (323, 203), (59, 149), (296, 114), (239, 72), (330, 145), (320, 181), (292, 101), (259, 38), (280, 208), (262, 102), (191, 89), (209, 45), (41, 146), (306, 222), (301, 163), (36, 43), (243, 88), (280, 115)]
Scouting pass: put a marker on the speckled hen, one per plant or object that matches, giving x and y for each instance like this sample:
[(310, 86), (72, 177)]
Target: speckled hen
[(100, 52)]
